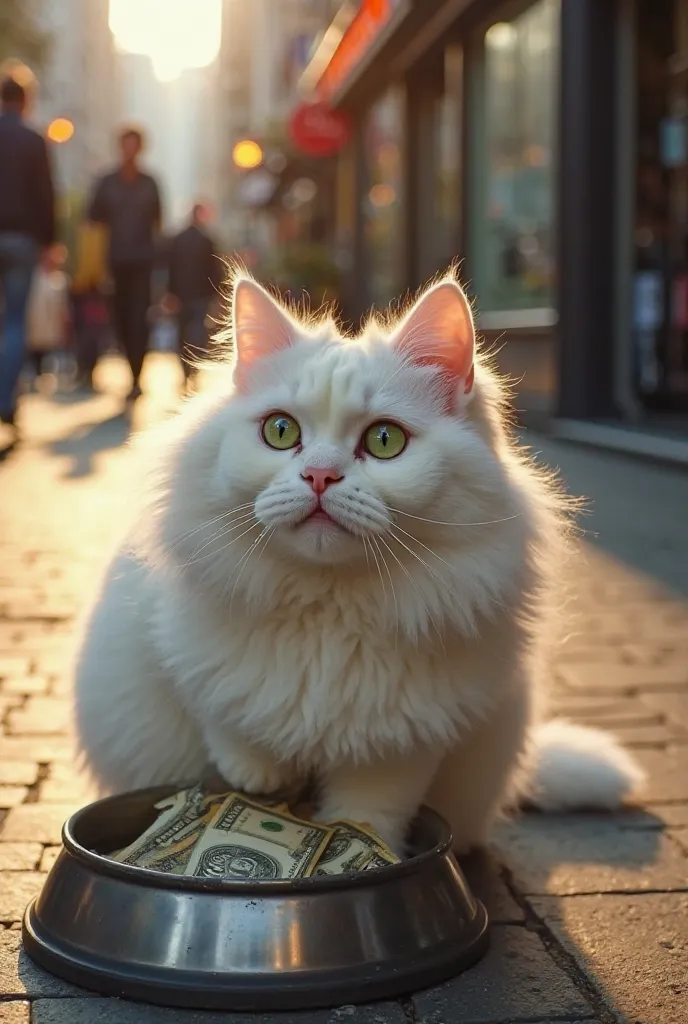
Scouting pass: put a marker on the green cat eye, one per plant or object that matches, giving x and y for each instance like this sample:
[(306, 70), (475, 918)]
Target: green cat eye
[(384, 440), (281, 431)]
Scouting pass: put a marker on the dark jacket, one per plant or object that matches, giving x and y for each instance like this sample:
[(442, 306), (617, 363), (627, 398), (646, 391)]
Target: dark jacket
[(131, 210), (195, 272), (27, 198)]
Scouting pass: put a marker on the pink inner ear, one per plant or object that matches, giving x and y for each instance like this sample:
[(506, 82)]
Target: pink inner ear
[(439, 332), (261, 327)]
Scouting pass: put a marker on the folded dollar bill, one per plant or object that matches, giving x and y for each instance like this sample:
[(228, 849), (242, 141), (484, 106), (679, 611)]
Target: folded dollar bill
[(232, 836)]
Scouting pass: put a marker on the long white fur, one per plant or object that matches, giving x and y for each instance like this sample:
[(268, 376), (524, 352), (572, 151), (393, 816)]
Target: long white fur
[(400, 659)]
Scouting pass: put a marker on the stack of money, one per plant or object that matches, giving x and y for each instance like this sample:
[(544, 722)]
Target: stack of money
[(228, 835)]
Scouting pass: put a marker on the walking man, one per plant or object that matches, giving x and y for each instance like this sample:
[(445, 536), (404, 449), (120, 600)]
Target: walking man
[(27, 224), (195, 275), (127, 202)]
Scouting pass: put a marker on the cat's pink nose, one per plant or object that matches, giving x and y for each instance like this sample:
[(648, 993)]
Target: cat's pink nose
[(319, 478)]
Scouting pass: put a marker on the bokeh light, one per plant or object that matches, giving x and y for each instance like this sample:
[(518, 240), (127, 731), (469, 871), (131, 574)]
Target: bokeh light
[(247, 154), (60, 130)]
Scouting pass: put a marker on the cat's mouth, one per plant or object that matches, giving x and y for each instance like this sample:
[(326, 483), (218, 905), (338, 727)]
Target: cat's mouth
[(320, 516)]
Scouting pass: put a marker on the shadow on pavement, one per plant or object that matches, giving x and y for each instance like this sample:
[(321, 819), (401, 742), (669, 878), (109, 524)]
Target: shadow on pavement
[(87, 440), (635, 507)]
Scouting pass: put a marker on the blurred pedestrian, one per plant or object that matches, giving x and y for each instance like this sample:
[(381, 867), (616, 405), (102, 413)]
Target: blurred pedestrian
[(127, 202), (27, 223), (48, 320), (195, 274), (89, 301)]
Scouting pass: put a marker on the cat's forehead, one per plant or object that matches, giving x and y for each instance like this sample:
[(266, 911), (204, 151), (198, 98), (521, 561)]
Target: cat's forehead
[(334, 375), (336, 381)]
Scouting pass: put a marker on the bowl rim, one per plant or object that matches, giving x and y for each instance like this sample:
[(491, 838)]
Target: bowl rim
[(103, 865)]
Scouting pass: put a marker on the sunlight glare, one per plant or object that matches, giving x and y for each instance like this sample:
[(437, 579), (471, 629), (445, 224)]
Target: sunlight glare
[(175, 34)]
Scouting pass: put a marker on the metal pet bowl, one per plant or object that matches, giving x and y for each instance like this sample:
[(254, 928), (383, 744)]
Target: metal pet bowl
[(213, 944)]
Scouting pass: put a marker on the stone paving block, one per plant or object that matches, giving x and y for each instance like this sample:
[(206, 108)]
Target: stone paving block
[(620, 678), (631, 721), (18, 773), (15, 1012), (24, 685), (14, 665), (673, 705), (570, 704), (644, 735), (40, 716), (19, 856), (64, 784), (119, 1011), (680, 836), (42, 749), (17, 888), (672, 814), (655, 652), (608, 624), (62, 686), (10, 796), (516, 981), (50, 855), (55, 659), (634, 950), (8, 702), (595, 649), (585, 854), (667, 774), (483, 875), (39, 822), (21, 978)]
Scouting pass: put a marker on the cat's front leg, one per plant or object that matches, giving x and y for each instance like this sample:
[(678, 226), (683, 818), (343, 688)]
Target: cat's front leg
[(384, 793), (243, 765)]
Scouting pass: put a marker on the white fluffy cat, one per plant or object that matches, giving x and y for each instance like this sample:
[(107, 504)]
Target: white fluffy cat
[(345, 574)]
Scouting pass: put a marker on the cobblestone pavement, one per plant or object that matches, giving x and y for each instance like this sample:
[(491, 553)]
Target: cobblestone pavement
[(589, 914)]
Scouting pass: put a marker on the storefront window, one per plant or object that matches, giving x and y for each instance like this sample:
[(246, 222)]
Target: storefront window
[(447, 148), (660, 272), (382, 198), (516, 247)]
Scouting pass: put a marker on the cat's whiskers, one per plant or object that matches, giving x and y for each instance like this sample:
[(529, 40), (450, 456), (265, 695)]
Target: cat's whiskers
[(365, 552), (226, 530), (241, 565), (430, 551), (415, 587), (452, 568), (433, 572), (376, 541), (271, 530), (210, 522), (438, 522), (379, 571), (215, 553)]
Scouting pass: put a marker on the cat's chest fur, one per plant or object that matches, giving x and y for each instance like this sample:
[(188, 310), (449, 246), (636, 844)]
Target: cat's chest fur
[(321, 681)]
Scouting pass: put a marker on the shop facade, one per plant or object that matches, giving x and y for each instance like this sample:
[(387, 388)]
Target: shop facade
[(477, 137)]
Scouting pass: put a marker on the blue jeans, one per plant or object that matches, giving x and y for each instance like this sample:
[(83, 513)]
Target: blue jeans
[(18, 255)]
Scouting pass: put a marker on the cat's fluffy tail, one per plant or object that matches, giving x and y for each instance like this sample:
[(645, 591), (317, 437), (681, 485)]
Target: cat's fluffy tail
[(572, 767)]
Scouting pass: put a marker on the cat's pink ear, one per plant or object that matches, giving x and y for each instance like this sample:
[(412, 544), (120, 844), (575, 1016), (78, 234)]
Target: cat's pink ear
[(439, 332), (261, 327)]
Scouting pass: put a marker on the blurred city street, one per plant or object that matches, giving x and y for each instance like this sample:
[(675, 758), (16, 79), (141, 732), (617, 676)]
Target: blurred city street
[(347, 153), (588, 913)]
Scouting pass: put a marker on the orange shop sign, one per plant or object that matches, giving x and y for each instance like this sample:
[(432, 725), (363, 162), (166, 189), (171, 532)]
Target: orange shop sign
[(370, 20)]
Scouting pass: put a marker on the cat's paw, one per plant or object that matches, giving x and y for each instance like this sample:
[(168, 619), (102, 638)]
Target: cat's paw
[(252, 771), (390, 831)]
